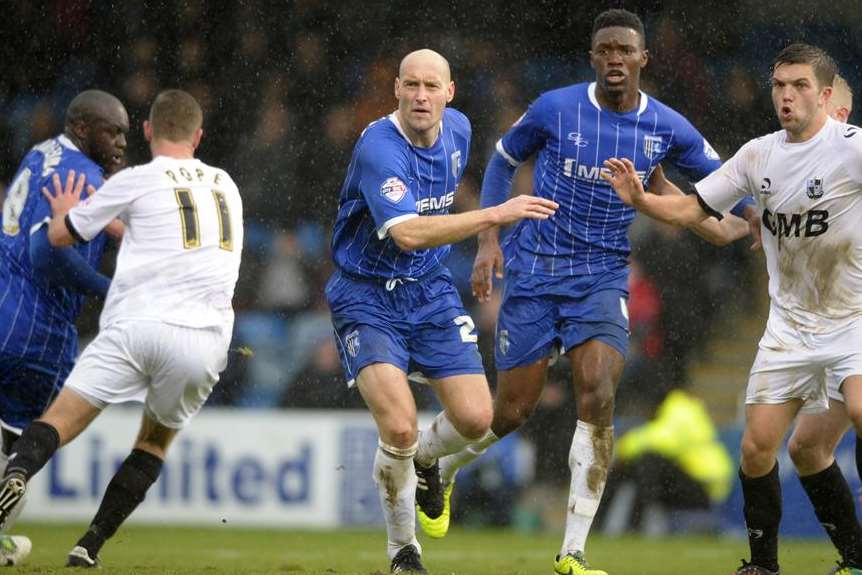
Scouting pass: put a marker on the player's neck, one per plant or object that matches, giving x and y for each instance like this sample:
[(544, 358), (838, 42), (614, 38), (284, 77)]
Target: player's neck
[(419, 139), (176, 150), (620, 103), (811, 130), (75, 140)]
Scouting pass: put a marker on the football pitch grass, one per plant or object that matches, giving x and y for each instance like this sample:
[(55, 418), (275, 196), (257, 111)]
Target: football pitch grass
[(225, 549)]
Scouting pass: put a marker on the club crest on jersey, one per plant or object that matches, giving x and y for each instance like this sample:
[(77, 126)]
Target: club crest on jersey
[(653, 146), (814, 189), (504, 341), (351, 342), (455, 162), (393, 189)]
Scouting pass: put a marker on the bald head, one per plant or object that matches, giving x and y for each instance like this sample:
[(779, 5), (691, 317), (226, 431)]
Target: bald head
[(840, 103), (92, 105), (425, 58)]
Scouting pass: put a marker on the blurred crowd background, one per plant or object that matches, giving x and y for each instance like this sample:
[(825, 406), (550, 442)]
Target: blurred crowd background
[(286, 89)]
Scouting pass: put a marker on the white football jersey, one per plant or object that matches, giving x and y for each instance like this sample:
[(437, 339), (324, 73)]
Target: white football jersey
[(179, 258), (810, 194)]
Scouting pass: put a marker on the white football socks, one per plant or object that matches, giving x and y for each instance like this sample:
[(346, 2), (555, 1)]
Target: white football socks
[(440, 439), (589, 459), (396, 485), (450, 464)]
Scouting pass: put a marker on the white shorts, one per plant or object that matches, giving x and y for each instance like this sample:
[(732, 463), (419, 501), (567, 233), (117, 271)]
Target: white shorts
[(801, 365), (171, 369)]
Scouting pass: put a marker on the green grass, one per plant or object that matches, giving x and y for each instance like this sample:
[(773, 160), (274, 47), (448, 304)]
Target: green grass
[(185, 550)]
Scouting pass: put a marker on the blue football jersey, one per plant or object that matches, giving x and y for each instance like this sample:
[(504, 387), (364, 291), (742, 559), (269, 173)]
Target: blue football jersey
[(390, 180), (37, 319), (573, 136)]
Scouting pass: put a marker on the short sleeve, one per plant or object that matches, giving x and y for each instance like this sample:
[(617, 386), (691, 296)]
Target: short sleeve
[(526, 136), (723, 188), (691, 154), (386, 184), (111, 201)]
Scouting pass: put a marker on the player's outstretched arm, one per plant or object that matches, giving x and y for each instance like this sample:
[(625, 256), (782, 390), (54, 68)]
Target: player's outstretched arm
[(431, 231), (64, 198), (719, 233), (676, 209)]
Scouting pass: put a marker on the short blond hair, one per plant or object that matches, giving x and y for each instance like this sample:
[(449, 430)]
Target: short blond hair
[(175, 116)]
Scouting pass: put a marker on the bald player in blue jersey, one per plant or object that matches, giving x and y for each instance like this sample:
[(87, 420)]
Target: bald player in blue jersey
[(394, 306), (42, 288), (567, 278)]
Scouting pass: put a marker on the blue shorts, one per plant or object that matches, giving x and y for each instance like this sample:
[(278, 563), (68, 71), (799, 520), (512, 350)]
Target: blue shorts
[(539, 313), (411, 324), (26, 390)]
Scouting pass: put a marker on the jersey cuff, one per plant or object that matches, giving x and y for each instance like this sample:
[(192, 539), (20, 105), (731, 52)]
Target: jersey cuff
[(74, 233), (704, 206), (502, 151), (383, 230)]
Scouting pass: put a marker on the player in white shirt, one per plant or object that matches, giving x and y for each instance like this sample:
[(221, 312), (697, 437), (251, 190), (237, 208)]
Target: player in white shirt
[(807, 180), (167, 321), (816, 435)]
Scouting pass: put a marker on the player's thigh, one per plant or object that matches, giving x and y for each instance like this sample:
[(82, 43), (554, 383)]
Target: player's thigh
[(108, 370), (844, 376), (467, 400), (816, 435), (595, 363), (26, 390), (388, 396), (851, 392), (70, 414), (153, 437), (518, 392), (183, 365), (765, 428)]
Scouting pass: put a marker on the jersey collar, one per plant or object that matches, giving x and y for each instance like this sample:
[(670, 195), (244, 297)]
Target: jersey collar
[(591, 92), (67, 143), (393, 117)]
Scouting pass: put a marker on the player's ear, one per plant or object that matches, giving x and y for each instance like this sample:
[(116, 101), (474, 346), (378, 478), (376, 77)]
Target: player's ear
[(80, 129), (450, 92), (398, 88), (644, 57), (825, 94), (592, 62), (148, 131), (196, 141)]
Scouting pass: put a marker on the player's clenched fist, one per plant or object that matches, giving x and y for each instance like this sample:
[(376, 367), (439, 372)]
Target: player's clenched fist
[(523, 206), (625, 181)]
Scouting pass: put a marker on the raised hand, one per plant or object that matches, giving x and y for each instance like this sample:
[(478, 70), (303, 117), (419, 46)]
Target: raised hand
[(625, 181), (66, 197), (525, 206)]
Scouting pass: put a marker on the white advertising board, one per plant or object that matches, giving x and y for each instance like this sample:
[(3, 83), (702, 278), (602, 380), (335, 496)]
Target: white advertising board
[(245, 467)]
